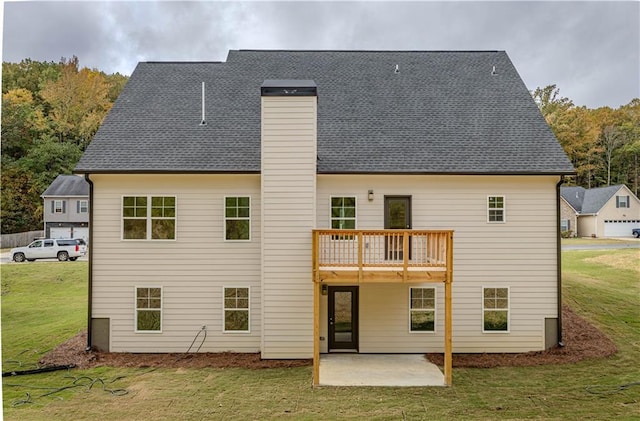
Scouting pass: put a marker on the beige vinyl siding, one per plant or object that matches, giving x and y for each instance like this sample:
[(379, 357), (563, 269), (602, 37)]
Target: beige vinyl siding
[(519, 254), (192, 270), (288, 216)]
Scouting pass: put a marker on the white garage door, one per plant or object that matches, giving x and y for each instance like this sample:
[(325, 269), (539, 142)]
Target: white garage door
[(60, 232), (81, 232), (620, 228)]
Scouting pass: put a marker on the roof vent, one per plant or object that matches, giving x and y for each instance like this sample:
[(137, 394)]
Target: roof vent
[(493, 72), (397, 70), (204, 120)]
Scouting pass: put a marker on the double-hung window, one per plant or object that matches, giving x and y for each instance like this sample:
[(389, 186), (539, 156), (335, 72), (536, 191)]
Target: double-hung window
[(236, 309), (83, 206), (149, 217), (423, 309), (237, 218), (148, 309), (495, 309), (495, 209), (59, 206), (622, 202)]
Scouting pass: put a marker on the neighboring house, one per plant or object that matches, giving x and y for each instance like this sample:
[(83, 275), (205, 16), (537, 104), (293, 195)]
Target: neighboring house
[(66, 208), (568, 219), (295, 202), (611, 211)]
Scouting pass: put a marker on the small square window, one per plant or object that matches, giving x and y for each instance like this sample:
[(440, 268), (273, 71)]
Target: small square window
[(149, 217), (622, 202)]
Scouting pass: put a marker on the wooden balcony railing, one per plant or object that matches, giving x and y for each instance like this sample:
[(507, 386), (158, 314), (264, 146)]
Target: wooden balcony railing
[(381, 255)]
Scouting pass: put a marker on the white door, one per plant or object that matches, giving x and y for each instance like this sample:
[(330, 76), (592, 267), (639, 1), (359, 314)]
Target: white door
[(619, 228), (60, 232), (81, 232)]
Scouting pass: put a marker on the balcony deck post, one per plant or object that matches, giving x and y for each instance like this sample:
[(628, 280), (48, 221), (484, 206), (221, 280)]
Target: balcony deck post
[(448, 322)]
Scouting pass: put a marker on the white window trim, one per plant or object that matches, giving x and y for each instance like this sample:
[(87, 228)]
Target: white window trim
[(84, 204), (224, 309), (355, 197), (504, 209), (148, 217), (568, 225), (135, 309), (435, 311), (508, 309), (224, 219), (55, 206)]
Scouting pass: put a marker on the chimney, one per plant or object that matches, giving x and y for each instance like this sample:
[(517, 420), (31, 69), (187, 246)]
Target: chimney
[(288, 215)]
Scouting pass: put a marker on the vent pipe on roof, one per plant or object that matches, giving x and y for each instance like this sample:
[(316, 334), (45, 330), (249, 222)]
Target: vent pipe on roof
[(493, 72), (397, 70), (204, 120)]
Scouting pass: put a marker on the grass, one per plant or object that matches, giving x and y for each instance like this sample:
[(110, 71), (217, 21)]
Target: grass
[(43, 304)]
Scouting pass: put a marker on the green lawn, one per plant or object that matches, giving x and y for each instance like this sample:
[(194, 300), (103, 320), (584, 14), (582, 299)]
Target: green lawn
[(43, 304)]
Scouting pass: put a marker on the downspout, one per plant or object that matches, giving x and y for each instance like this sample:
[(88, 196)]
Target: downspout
[(559, 261), (90, 278)]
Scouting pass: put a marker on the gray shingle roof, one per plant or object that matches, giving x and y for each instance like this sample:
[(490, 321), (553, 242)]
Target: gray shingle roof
[(67, 185), (588, 201), (443, 112)]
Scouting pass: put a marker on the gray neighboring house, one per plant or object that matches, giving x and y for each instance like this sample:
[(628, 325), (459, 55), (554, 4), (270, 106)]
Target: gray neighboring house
[(66, 208), (294, 203), (611, 211)]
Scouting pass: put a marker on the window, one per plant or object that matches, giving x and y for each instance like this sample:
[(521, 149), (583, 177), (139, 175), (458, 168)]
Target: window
[(495, 209), (343, 213), (565, 225), (59, 206), (495, 310), (49, 243), (237, 218), (236, 309), (83, 206), (149, 217), (423, 309), (622, 202), (148, 309)]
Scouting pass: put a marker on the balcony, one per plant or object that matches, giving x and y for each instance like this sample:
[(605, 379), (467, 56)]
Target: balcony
[(347, 256)]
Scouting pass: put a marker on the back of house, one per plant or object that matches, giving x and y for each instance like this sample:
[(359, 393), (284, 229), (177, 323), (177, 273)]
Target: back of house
[(224, 195)]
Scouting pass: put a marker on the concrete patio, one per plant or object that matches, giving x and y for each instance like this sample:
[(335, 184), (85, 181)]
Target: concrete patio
[(378, 370)]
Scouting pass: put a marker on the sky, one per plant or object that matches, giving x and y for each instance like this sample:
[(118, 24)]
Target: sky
[(590, 50)]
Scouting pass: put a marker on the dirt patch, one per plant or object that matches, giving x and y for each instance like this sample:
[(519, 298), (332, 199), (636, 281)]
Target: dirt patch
[(582, 341)]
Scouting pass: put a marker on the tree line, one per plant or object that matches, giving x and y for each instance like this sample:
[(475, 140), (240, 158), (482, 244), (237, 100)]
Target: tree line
[(50, 112), (603, 144)]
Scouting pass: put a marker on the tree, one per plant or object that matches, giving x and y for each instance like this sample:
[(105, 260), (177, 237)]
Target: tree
[(22, 122), (79, 102)]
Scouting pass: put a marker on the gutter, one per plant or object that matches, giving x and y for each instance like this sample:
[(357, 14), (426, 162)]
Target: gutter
[(90, 278), (558, 261)]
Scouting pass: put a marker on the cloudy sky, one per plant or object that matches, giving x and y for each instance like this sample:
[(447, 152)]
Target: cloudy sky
[(590, 50)]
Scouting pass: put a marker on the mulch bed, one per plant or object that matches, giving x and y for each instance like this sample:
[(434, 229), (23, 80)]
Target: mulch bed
[(582, 341)]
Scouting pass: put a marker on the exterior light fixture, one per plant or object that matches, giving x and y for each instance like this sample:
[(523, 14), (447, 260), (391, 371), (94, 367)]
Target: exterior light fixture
[(370, 195)]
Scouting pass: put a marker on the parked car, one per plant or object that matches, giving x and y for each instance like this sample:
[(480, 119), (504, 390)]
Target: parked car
[(636, 232), (61, 249)]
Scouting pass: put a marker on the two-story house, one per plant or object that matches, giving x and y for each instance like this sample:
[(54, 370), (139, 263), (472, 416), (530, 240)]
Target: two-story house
[(295, 203), (66, 208)]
